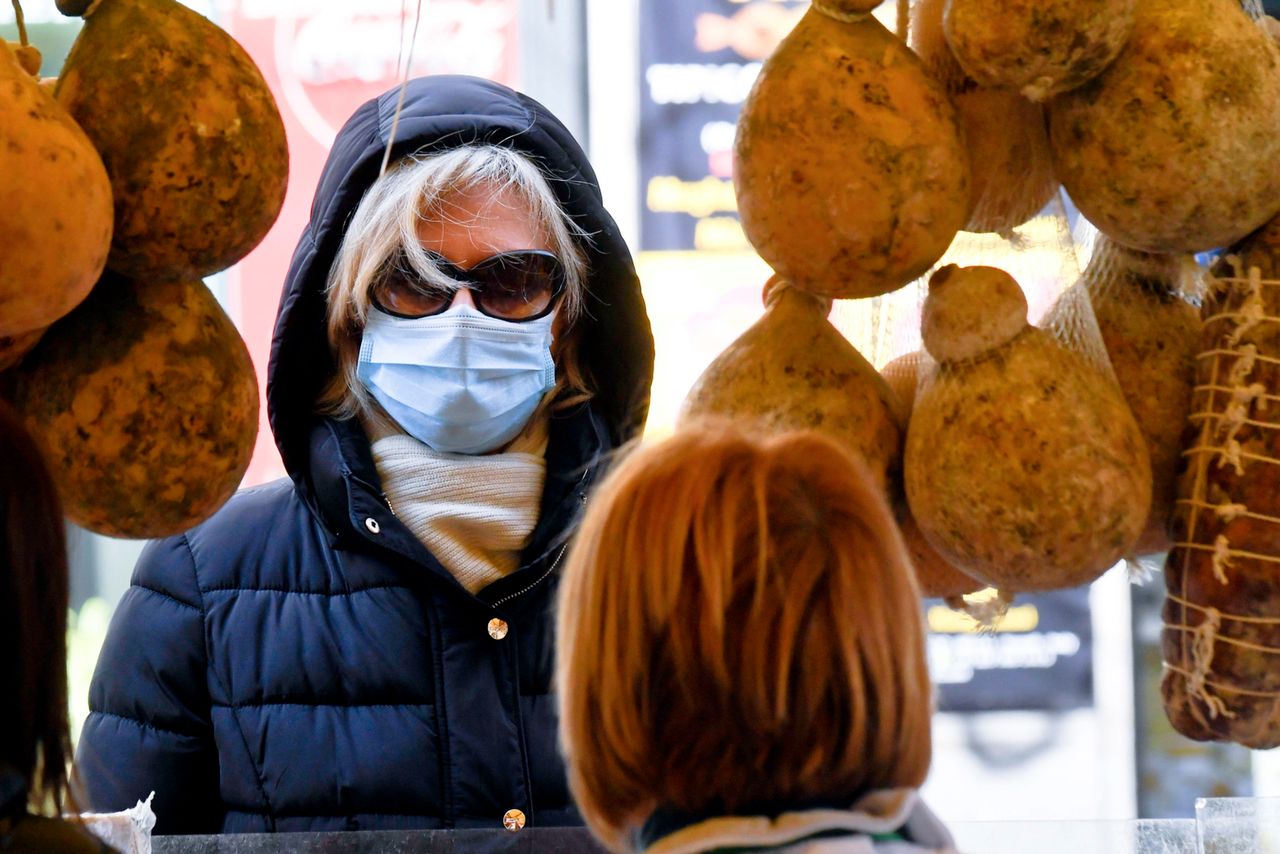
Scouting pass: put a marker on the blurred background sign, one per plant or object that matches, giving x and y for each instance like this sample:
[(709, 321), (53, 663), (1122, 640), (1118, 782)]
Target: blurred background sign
[(1038, 657), (699, 59)]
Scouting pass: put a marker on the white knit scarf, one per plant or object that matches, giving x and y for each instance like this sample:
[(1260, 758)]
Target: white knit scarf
[(474, 513)]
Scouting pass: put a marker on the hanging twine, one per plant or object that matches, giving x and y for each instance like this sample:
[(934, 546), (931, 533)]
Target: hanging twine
[(1232, 454), (1202, 663), (1250, 395), (1246, 361), (988, 613), (1230, 512), (1222, 558), (22, 24), (1253, 312), (404, 84)]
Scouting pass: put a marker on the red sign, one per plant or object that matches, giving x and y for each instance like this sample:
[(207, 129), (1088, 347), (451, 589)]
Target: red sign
[(322, 61)]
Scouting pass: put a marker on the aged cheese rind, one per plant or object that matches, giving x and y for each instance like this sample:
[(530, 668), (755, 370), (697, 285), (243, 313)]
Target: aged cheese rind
[(147, 404), (1040, 48), (850, 170), (1152, 336), (1174, 147), (189, 131), (55, 206), (793, 370)]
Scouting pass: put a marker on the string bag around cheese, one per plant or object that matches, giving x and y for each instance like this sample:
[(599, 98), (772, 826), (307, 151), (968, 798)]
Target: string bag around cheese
[(190, 133), (1173, 148), (850, 168), (1039, 48), (792, 370), (1221, 640), (1023, 465), (146, 403), (55, 209), (1147, 308), (1011, 169)]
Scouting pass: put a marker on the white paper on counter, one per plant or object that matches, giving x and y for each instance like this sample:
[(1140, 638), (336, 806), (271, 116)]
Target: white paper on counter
[(128, 832)]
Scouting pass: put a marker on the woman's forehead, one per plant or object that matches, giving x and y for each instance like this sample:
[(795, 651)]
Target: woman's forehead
[(469, 225)]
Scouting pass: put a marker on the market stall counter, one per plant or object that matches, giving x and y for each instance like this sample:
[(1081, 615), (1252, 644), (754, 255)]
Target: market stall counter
[(527, 841), (1068, 837)]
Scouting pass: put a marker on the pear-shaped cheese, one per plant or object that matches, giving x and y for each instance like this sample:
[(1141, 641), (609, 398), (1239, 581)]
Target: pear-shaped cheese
[(55, 206), (1174, 148), (1023, 464), (793, 370), (191, 136), (1040, 48), (147, 405), (1011, 169), (1152, 335), (851, 174), (937, 577)]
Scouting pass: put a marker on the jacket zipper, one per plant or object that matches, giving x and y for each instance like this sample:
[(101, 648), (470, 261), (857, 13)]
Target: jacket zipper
[(555, 563), (538, 581)]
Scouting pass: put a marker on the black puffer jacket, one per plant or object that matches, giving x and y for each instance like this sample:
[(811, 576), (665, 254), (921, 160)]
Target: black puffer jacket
[(300, 661)]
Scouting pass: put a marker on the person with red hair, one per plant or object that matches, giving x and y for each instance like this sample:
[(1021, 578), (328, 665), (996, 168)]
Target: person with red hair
[(741, 655)]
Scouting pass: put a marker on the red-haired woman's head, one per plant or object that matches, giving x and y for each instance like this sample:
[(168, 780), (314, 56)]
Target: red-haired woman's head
[(739, 626)]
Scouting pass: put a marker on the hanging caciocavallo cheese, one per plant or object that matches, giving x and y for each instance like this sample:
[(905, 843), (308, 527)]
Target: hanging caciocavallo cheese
[(1174, 147), (147, 405), (1152, 335), (849, 166), (1023, 465), (55, 210), (793, 370), (1011, 169), (1040, 48), (189, 131)]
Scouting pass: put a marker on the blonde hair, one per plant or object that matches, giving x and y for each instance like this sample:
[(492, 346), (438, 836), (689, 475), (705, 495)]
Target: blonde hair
[(384, 230), (739, 625)]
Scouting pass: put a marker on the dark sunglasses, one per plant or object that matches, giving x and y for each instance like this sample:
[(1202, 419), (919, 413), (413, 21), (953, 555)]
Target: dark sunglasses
[(515, 286)]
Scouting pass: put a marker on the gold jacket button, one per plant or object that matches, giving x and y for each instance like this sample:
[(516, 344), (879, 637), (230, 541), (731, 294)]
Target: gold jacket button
[(498, 630), (513, 820)]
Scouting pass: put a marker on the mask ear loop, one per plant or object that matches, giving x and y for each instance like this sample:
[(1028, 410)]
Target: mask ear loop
[(404, 81)]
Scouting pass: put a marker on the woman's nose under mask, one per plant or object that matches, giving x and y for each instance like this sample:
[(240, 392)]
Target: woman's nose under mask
[(459, 382)]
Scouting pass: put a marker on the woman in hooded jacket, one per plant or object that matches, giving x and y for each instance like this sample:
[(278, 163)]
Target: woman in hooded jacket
[(367, 644)]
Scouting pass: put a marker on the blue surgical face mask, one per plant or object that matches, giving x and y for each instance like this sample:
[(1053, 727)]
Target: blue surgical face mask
[(459, 382)]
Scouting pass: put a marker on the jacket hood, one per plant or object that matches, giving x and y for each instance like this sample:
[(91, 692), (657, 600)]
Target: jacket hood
[(440, 113)]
